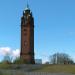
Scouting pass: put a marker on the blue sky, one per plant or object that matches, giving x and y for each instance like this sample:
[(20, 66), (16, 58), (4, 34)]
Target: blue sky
[(54, 25)]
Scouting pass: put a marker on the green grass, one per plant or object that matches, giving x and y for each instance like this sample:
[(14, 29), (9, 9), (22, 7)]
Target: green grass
[(57, 68), (5, 66), (46, 68)]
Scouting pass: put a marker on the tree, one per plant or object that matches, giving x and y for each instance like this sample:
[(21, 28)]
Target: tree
[(7, 59), (61, 58)]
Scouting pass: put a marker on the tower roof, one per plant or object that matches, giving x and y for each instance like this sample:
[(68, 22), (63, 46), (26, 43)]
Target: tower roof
[(27, 10), (27, 7)]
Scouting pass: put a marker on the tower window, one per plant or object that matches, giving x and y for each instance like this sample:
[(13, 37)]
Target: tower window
[(25, 29), (25, 43)]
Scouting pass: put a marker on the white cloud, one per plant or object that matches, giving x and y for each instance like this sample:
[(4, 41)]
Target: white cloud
[(16, 53), (7, 50)]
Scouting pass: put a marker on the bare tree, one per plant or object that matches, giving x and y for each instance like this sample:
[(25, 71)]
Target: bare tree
[(7, 58), (61, 58)]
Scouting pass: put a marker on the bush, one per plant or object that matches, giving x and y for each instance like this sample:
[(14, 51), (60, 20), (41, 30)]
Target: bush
[(19, 61)]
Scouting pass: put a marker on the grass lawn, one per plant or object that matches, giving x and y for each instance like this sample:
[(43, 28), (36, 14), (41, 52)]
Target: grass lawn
[(5, 66), (57, 68), (45, 68)]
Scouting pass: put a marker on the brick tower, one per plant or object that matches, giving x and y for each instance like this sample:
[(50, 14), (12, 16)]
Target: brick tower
[(27, 36)]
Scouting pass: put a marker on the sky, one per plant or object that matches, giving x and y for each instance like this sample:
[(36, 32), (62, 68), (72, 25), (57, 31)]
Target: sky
[(54, 22)]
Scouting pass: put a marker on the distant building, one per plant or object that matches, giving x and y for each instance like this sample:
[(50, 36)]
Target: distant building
[(47, 62), (38, 61)]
